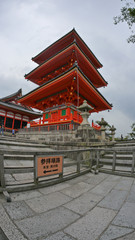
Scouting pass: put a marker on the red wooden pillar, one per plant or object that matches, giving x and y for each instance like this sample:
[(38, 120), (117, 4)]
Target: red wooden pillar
[(5, 119), (21, 121), (13, 121), (71, 126), (59, 114)]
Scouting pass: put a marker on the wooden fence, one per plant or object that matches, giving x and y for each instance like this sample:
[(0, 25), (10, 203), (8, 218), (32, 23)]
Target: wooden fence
[(14, 177)]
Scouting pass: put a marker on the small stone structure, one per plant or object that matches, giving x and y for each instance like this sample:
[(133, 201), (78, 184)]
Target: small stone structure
[(85, 130), (113, 129), (103, 125), (83, 136)]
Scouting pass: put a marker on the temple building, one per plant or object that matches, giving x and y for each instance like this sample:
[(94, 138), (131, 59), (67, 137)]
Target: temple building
[(66, 75), (14, 115)]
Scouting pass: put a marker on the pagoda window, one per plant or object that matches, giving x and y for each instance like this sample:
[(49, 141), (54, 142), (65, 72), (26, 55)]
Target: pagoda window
[(17, 124), (9, 122), (72, 111), (46, 116), (25, 119), (18, 116), (2, 112), (63, 113), (10, 114)]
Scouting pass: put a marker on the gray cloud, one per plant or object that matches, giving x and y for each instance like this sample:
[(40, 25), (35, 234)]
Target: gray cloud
[(27, 27)]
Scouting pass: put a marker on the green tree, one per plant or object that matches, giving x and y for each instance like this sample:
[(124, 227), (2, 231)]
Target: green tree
[(127, 15), (132, 134)]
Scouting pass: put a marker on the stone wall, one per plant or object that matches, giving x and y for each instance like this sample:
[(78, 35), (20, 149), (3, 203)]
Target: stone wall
[(70, 139)]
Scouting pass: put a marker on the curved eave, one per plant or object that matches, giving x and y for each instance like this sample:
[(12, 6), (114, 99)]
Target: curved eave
[(20, 110), (86, 88), (62, 43), (99, 103), (12, 96), (60, 58)]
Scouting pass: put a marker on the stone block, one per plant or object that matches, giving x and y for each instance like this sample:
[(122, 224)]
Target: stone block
[(114, 199), (2, 235), (91, 225), (9, 227), (131, 196), (95, 179), (103, 188), (47, 202), (115, 232), (19, 196), (18, 210), (77, 189), (47, 223), (130, 236), (54, 188), (59, 236), (126, 216), (124, 184), (84, 203)]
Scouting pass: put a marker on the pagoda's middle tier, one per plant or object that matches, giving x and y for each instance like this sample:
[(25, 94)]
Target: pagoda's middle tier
[(72, 87), (62, 62)]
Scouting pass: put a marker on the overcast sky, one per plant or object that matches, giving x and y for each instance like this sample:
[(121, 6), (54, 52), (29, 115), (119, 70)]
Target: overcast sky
[(29, 26)]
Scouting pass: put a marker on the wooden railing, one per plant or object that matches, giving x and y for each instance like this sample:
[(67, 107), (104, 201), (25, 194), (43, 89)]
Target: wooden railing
[(53, 127), (75, 163), (121, 162)]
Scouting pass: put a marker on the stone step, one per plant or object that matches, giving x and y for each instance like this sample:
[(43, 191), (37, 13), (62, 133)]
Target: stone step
[(118, 168), (118, 162), (18, 163), (18, 157), (125, 143), (118, 156), (14, 143), (15, 139)]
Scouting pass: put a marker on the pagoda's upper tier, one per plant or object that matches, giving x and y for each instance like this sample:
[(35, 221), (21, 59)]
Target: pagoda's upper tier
[(62, 43), (63, 61)]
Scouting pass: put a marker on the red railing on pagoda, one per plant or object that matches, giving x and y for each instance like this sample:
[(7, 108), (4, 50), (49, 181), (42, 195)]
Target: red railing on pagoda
[(95, 126)]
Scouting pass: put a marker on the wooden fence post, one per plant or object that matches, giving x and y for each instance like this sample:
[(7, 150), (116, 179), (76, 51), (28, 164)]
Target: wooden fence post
[(97, 162), (35, 170), (133, 162), (78, 162), (114, 161), (2, 178)]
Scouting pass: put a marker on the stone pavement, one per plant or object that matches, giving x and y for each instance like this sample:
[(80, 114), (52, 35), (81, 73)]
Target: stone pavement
[(90, 207)]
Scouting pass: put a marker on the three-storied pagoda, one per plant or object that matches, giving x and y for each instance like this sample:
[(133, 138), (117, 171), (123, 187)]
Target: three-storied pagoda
[(66, 75)]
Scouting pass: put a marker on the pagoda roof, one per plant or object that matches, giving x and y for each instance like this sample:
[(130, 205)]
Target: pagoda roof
[(63, 42), (10, 103), (12, 97), (86, 89), (20, 110), (60, 61)]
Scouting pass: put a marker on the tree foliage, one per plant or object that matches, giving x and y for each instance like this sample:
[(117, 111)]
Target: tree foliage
[(127, 15), (132, 134)]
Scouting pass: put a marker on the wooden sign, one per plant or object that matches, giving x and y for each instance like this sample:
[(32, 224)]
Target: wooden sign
[(49, 165)]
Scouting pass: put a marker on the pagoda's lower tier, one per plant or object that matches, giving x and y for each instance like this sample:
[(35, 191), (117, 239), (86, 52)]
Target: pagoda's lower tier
[(63, 114)]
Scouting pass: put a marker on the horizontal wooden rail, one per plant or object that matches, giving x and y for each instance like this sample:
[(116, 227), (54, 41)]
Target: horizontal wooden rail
[(83, 161)]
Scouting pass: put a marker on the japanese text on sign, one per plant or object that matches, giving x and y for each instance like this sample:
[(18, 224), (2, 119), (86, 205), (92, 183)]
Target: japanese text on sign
[(49, 165)]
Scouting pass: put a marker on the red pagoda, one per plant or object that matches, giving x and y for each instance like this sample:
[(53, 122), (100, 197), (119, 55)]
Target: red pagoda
[(66, 75)]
